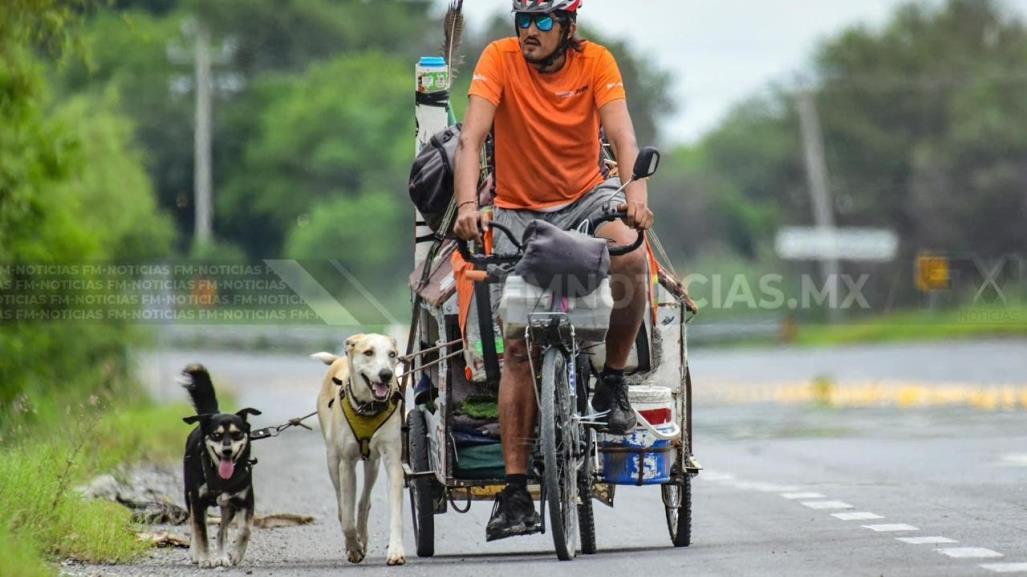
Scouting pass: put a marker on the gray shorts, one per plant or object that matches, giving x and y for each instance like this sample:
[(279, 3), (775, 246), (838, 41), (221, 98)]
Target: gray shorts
[(587, 208), (596, 203)]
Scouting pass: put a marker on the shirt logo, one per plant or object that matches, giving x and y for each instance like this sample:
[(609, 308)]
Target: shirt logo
[(613, 85), (571, 93), (479, 78)]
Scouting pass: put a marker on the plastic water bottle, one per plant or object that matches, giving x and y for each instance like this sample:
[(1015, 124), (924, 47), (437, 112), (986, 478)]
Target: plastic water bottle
[(432, 75)]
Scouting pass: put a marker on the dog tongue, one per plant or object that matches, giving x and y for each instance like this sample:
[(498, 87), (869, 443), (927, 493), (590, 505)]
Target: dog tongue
[(226, 469), (381, 390)]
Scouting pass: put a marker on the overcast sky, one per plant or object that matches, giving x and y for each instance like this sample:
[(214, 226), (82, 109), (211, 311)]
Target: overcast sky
[(721, 51)]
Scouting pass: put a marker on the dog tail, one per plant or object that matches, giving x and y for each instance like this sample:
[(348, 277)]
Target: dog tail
[(196, 380)]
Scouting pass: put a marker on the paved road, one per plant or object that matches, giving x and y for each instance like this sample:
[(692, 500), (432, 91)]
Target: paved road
[(791, 489)]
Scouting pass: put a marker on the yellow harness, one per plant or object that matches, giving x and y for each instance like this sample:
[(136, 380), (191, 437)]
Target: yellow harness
[(365, 426)]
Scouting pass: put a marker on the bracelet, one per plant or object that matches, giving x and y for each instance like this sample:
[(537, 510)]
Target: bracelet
[(465, 202)]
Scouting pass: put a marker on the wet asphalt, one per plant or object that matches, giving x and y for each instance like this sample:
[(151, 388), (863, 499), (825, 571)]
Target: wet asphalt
[(793, 488)]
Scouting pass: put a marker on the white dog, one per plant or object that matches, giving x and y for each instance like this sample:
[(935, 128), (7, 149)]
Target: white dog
[(361, 414)]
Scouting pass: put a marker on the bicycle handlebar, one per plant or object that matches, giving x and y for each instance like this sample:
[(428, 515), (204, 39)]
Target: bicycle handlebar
[(483, 261), (625, 248)]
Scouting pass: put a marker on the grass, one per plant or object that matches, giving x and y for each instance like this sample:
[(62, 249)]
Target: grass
[(964, 323), (42, 517), (20, 557)]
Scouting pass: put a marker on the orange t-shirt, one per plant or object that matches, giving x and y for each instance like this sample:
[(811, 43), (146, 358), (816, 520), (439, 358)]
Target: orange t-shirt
[(546, 125)]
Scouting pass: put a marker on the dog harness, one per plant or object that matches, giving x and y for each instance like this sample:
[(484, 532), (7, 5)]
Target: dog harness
[(367, 419)]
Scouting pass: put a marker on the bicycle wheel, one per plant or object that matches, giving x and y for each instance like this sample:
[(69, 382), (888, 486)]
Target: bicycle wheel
[(422, 506), (586, 516), (559, 442), (677, 501)]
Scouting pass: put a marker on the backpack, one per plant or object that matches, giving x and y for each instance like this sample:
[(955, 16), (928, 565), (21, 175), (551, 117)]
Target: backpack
[(431, 177)]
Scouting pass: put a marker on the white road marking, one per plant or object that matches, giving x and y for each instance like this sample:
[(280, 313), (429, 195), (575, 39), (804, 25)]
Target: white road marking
[(763, 487), (1006, 567), (890, 527), (926, 540), (827, 504), (969, 553), (802, 495), (1015, 460), (856, 516)]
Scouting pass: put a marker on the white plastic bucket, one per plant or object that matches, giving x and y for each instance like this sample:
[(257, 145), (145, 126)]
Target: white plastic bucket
[(646, 455)]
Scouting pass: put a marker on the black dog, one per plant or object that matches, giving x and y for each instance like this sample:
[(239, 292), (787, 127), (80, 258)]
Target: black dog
[(217, 470)]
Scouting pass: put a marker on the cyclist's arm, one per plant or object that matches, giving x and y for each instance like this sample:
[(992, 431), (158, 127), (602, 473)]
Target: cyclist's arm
[(477, 124), (621, 134)]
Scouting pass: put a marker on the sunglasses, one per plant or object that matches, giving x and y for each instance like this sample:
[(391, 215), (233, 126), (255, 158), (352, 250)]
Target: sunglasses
[(544, 22)]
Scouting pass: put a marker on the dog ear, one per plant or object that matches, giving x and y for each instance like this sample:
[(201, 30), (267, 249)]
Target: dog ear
[(351, 343), (326, 358), (247, 411), (195, 419)]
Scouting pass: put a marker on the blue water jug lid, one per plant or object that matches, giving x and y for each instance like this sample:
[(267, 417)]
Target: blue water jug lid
[(432, 61)]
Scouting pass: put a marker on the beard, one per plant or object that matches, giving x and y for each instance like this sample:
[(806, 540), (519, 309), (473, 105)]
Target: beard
[(536, 59)]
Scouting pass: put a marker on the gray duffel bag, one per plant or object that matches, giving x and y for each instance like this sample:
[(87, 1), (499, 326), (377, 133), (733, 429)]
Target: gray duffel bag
[(567, 263)]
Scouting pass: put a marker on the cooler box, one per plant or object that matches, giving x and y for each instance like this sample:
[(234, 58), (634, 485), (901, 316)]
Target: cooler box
[(641, 457), (590, 314)]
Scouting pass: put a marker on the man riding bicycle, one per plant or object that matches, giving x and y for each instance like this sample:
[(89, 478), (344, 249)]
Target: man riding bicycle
[(545, 94)]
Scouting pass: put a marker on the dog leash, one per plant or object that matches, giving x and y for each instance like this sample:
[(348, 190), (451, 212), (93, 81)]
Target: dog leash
[(268, 432)]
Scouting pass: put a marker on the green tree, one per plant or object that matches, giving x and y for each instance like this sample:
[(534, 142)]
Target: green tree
[(71, 191), (290, 35), (342, 128), (924, 128), (129, 60), (366, 233), (143, 50)]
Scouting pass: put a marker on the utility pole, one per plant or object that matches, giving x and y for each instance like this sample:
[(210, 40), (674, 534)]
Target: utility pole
[(202, 171), (820, 193)]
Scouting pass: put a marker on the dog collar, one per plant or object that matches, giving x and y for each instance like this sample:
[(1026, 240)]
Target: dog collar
[(362, 408)]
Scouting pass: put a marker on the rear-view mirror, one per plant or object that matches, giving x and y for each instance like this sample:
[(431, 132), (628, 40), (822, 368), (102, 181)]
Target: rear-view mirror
[(647, 162)]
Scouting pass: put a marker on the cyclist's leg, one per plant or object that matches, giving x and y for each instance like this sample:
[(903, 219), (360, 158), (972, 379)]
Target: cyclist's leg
[(628, 284), (518, 411), (514, 513), (627, 272)]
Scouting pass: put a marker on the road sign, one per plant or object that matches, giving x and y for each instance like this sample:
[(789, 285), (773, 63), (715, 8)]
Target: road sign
[(932, 273), (820, 243)]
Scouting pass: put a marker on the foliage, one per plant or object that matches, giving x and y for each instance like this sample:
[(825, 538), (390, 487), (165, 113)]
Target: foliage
[(271, 35), (129, 62), (76, 194), (77, 442), (922, 325), (921, 122), (122, 211), (923, 127), (340, 130), (143, 52), (71, 191), (333, 233), (20, 557)]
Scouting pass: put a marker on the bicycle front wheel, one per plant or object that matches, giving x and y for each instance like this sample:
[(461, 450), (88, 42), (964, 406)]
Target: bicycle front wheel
[(559, 454)]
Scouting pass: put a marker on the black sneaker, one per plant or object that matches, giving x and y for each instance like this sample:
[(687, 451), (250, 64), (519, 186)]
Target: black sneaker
[(612, 395), (513, 514)]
